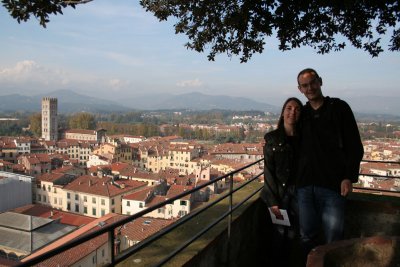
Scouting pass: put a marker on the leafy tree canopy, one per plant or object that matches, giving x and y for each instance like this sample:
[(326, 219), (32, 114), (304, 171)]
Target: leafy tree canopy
[(35, 121), (240, 27), (82, 120)]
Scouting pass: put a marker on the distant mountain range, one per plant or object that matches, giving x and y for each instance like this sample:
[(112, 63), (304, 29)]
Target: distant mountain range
[(70, 101), (196, 101), (383, 105)]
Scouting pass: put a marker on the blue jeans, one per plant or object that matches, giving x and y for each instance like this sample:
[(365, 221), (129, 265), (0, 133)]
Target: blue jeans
[(320, 209)]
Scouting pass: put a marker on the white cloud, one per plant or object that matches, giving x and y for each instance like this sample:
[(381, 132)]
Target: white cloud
[(190, 83), (22, 68), (28, 71)]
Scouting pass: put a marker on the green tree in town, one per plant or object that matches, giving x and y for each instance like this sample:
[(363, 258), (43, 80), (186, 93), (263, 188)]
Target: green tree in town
[(35, 122), (82, 120)]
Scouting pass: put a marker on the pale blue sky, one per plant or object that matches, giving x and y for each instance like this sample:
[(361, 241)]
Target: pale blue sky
[(114, 49)]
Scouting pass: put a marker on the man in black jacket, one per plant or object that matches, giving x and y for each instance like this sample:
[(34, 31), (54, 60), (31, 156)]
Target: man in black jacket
[(329, 161)]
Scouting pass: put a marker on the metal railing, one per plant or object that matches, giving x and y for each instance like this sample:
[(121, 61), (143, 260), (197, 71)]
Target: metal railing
[(112, 228), (377, 176)]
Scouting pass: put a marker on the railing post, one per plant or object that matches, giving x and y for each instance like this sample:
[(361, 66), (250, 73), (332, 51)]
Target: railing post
[(112, 248), (230, 205), (228, 249)]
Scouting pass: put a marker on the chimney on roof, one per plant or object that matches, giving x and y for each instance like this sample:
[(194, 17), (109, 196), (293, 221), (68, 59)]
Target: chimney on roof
[(122, 186)]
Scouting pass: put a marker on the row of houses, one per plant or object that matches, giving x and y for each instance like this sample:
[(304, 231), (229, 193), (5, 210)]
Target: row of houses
[(117, 180)]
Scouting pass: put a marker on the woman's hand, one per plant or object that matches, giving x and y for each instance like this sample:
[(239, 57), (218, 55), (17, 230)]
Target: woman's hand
[(275, 210)]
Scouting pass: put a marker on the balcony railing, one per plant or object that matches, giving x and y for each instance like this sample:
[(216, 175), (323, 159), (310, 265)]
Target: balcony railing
[(377, 176), (112, 230)]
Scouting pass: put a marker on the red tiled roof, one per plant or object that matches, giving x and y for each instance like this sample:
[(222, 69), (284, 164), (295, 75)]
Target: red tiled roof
[(77, 253), (143, 227), (102, 186), (119, 166), (155, 200), (45, 212), (178, 189), (3, 162), (49, 177), (140, 195)]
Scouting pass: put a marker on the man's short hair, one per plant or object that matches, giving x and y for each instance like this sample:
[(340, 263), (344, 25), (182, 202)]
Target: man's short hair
[(307, 70)]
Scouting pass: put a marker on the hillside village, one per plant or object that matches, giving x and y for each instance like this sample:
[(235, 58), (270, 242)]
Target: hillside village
[(74, 181)]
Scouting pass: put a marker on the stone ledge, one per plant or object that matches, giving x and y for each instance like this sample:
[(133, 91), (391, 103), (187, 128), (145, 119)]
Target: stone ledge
[(376, 251)]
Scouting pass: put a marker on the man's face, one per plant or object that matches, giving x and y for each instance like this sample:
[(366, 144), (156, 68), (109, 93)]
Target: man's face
[(310, 86)]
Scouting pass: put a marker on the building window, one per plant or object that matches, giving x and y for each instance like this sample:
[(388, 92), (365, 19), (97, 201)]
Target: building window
[(76, 197), (183, 203), (44, 199), (103, 202), (84, 198), (68, 206), (182, 213), (161, 210), (39, 197), (103, 212), (141, 205), (76, 208), (93, 200), (68, 195), (48, 188), (55, 200), (94, 211), (128, 203), (85, 210), (112, 201)]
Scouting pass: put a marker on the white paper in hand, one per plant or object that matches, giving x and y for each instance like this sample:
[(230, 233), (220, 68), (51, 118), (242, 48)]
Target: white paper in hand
[(282, 221)]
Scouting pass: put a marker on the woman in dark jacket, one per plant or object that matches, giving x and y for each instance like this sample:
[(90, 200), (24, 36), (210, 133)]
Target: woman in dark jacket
[(279, 170)]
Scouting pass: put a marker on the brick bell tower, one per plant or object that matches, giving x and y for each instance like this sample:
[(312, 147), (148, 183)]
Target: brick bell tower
[(49, 119)]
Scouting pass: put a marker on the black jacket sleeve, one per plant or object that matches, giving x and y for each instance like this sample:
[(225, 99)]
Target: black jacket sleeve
[(352, 145), (270, 187)]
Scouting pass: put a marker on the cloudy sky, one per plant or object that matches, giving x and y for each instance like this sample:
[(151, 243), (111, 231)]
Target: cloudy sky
[(115, 50)]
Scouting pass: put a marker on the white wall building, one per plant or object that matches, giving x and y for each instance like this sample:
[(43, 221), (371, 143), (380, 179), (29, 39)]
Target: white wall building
[(15, 190)]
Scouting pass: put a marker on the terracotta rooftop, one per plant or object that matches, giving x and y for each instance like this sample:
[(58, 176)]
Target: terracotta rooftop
[(45, 212), (178, 189), (143, 227), (77, 253), (103, 186)]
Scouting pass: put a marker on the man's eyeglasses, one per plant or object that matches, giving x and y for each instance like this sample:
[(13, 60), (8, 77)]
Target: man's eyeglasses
[(313, 82)]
